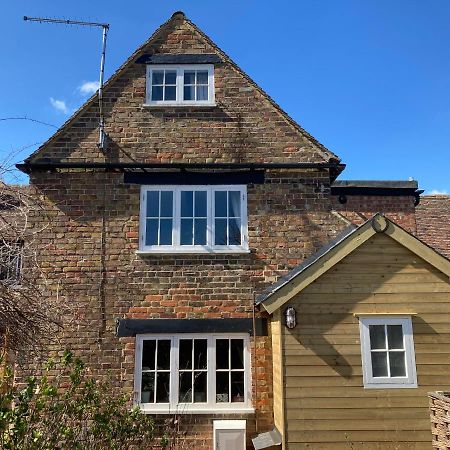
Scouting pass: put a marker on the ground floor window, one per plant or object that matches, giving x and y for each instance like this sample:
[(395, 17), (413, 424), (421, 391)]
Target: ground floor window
[(192, 372), (387, 350)]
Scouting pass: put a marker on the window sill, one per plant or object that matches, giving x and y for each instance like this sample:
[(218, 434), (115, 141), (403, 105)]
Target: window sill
[(187, 410), (391, 386), (178, 105), (202, 251)]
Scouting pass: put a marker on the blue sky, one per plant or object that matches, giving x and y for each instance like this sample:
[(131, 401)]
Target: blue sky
[(369, 79)]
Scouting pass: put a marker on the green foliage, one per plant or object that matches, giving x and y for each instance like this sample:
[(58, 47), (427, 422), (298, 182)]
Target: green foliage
[(65, 408)]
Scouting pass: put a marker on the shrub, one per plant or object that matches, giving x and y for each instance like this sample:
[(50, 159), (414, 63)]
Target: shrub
[(69, 410)]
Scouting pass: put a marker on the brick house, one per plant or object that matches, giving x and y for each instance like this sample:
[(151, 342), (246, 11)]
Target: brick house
[(206, 194)]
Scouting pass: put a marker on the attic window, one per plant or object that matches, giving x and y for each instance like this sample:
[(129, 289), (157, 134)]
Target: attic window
[(180, 85)]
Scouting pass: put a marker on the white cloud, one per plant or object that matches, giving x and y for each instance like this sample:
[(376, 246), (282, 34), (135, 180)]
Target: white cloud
[(438, 192), (59, 105), (88, 87)]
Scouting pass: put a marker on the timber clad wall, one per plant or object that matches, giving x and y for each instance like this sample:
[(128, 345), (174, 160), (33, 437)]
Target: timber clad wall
[(326, 404)]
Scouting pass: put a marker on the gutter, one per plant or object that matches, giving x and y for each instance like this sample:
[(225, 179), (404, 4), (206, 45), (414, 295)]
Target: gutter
[(29, 167)]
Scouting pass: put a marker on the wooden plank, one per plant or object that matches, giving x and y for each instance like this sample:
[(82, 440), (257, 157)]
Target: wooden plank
[(358, 425), (319, 381), (340, 276), (321, 359), (390, 436), (376, 413), (278, 373), (350, 445), (387, 288), (314, 404), (356, 393), (352, 308), (410, 297)]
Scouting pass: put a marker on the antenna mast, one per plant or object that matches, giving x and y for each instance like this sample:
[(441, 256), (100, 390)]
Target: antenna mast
[(105, 27)]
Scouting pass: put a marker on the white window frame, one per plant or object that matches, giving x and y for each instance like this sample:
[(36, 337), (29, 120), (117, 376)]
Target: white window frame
[(186, 408), (180, 69), (371, 382), (210, 247)]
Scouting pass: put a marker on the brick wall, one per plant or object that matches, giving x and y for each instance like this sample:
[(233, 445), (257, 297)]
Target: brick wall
[(360, 208), (88, 254), (433, 222)]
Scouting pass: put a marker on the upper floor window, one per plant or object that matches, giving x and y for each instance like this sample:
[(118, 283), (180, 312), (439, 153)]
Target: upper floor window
[(180, 85), (193, 219), (387, 350)]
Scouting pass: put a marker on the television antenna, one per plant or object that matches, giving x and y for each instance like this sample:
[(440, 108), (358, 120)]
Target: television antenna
[(105, 28)]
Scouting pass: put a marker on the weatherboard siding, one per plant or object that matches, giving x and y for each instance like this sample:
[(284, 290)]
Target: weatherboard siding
[(325, 402)]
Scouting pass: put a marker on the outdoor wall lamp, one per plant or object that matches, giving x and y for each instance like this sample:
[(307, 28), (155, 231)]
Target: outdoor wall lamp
[(290, 317)]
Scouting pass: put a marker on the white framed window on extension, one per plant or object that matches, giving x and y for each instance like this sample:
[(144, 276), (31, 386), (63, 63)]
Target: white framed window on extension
[(387, 350), (193, 219), (193, 373), (181, 85)]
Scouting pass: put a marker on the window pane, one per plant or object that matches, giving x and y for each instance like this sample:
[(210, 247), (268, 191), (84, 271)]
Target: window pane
[(171, 77), (200, 232), (237, 386), (185, 390), (157, 77), (147, 387), (166, 203), (395, 336), (234, 231), (163, 355), (162, 387), (377, 337), (220, 231), (234, 204), (200, 350), (379, 364), (200, 204), (202, 92), (237, 354), (157, 93), (222, 387), (151, 232), (189, 77), (397, 364), (148, 355), (185, 354), (186, 231), (222, 354), (187, 204), (170, 93), (153, 204), (189, 93), (202, 77), (220, 204), (165, 233), (200, 383)]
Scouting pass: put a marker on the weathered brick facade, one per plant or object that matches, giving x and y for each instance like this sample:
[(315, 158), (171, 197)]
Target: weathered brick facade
[(433, 222), (88, 249)]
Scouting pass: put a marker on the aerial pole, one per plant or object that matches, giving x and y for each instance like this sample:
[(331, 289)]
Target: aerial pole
[(105, 27)]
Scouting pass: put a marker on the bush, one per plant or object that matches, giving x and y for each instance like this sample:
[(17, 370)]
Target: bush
[(69, 410)]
